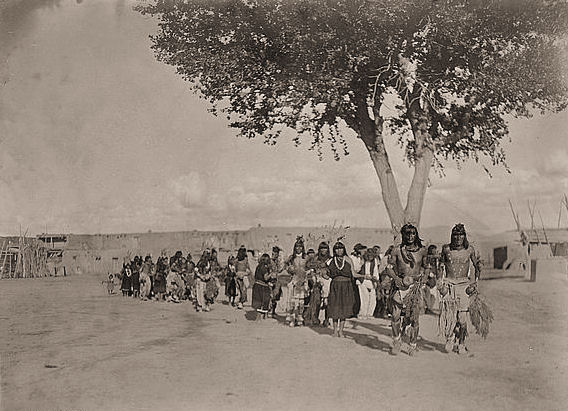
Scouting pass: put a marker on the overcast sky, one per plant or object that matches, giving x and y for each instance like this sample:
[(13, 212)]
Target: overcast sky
[(97, 136)]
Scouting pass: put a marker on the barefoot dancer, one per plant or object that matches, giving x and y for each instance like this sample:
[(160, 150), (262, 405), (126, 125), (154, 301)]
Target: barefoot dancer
[(322, 278), (405, 269), (296, 267), (455, 264)]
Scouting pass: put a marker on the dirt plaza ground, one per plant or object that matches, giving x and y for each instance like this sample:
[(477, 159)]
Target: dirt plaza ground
[(66, 345)]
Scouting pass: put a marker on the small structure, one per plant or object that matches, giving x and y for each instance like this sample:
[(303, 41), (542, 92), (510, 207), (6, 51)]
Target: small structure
[(55, 246), (22, 257)]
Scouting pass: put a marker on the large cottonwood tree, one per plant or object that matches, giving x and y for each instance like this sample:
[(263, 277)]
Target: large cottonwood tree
[(455, 69)]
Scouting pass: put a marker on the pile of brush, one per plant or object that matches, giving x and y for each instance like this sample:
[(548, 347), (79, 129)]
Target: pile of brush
[(413, 301), (479, 312)]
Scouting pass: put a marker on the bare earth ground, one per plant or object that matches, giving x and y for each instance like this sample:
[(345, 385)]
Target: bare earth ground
[(66, 345)]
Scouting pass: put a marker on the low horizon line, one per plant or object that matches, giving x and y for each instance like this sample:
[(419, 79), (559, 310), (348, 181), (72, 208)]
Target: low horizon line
[(249, 229)]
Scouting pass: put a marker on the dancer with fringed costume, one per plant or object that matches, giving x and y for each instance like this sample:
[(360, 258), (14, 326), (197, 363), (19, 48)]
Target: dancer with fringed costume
[(298, 286), (406, 270), (456, 259), (322, 278)]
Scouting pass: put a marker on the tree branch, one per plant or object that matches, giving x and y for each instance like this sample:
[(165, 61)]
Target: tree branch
[(420, 123)]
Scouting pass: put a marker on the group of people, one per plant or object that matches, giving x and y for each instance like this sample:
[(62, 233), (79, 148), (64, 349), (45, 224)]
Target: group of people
[(173, 279), (400, 284), (328, 285)]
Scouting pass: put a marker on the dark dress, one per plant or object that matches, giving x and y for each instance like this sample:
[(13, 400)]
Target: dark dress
[(261, 290), (230, 284), (341, 299), (126, 284), (160, 277), (135, 280)]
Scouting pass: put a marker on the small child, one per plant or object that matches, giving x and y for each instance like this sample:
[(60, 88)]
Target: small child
[(110, 284), (230, 281)]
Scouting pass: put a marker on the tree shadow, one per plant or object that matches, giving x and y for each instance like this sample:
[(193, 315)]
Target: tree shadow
[(371, 340), (280, 318), (427, 345), (376, 328), (321, 330), (366, 340)]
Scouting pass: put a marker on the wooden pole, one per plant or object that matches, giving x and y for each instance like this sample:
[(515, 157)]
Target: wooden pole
[(515, 216), (25, 259), (18, 262), (22, 252), (3, 254), (36, 261), (543, 229), (531, 213), (560, 212)]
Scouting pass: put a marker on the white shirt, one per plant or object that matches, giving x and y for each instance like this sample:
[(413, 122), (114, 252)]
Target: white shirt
[(357, 263), (375, 272)]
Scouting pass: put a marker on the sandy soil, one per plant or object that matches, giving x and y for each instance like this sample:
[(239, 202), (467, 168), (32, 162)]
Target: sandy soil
[(66, 345)]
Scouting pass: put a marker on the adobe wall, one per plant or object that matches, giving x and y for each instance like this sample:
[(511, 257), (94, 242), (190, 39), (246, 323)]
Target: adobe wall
[(103, 253)]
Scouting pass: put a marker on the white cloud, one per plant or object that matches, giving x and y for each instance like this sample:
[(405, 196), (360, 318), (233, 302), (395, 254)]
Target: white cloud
[(556, 165), (189, 189)]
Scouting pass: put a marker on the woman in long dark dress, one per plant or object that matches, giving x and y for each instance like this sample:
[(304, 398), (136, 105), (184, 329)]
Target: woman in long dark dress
[(162, 268), (135, 279), (231, 281), (126, 284), (261, 288), (341, 299)]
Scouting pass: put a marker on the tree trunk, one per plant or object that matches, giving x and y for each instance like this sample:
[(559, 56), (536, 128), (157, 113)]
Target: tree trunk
[(371, 132), (389, 189), (423, 158), (417, 190)]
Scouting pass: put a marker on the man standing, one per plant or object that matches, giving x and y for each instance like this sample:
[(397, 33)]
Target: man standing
[(322, 277), (243, 269), (146, 273), (455, 261), (405, 268), (369, 275), (431, 270), (356, 262)]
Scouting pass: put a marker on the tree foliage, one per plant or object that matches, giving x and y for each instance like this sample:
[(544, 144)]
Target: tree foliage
[(453, 69), (309, 65)]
